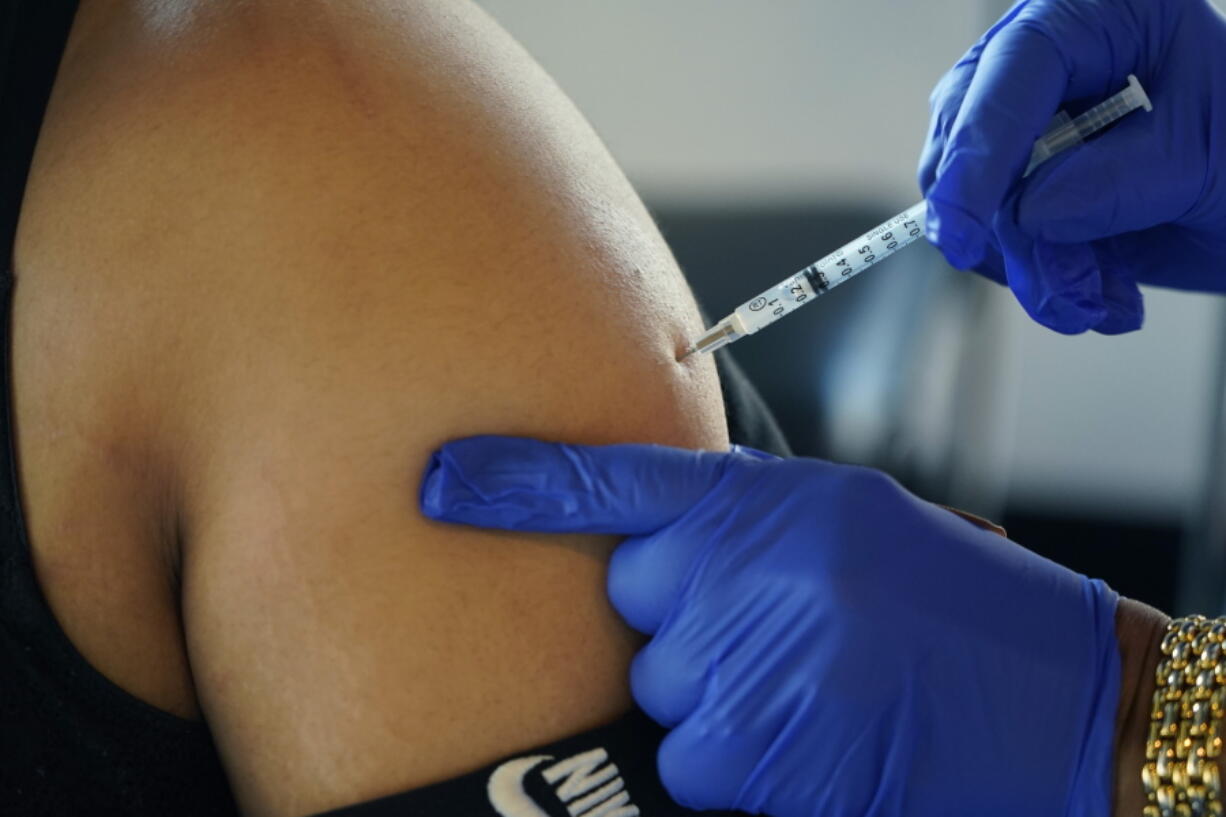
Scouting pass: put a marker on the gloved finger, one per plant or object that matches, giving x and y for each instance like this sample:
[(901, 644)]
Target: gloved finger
[(1023, 75), (1128, 178), (944, 102), (695, 649), (668, 680), (646, 574), (1121, 295), (1059, 285), (706, 763), (701, 770), (522, 484), (946, 99), (992, 265), (678, 669), (1171, 255)]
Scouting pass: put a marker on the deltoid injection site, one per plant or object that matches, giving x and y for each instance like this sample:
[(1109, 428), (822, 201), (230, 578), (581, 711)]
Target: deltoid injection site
[(892, 235)]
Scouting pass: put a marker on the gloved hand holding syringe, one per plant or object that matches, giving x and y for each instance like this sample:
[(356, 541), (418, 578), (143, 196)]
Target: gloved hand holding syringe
[(891, 236)]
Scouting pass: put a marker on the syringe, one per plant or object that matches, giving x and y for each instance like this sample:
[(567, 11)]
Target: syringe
[(891, 236)]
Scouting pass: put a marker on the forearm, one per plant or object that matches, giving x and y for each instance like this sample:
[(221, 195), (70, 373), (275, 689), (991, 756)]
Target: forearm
[(1139, 629)]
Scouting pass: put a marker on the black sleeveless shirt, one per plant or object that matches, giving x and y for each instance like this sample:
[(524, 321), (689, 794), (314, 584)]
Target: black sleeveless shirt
[(71, 741)]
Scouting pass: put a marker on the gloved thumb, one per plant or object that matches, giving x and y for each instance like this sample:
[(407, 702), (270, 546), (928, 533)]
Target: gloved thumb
[(522, 484), (1059, 285)]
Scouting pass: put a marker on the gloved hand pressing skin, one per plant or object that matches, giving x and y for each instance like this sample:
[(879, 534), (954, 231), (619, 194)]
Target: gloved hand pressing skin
[(1142, 202), (824, 643)]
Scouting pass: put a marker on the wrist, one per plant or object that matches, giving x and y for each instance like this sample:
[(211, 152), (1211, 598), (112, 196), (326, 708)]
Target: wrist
[(1138, 630)]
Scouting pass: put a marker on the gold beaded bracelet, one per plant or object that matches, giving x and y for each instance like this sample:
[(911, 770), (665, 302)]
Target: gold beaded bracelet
[(1181, 775)]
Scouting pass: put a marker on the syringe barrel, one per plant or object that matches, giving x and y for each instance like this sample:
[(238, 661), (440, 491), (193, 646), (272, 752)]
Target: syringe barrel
[(825, 274), (1063, 132), (1109, 110)]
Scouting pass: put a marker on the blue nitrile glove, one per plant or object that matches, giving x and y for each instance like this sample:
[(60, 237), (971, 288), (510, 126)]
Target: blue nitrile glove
[(1144, 201), (825, 643)]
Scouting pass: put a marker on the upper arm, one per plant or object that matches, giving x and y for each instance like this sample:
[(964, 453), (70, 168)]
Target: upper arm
[(371, 239)]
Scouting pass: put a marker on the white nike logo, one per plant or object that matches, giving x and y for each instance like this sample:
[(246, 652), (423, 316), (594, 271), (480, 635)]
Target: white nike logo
[(506, 788), (587, 783)]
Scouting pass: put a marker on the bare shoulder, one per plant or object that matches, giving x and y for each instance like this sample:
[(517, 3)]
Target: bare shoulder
[(365, 228), (405, 162)]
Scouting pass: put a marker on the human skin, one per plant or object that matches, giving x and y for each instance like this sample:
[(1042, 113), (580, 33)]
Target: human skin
[(1139, 630)]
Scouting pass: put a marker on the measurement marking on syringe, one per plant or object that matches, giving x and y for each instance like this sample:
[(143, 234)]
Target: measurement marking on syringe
[(816, 279)]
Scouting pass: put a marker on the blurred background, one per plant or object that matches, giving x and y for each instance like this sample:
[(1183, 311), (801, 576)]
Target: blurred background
[(764, 134)]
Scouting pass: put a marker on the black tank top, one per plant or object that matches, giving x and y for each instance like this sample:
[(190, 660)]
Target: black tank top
[(71, 741)]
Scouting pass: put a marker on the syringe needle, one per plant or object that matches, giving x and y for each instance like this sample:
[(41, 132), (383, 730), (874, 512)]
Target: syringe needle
[(721, 334)]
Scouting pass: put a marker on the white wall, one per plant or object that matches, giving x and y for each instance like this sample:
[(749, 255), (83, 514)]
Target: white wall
[(1118, 423), (753, 99)]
